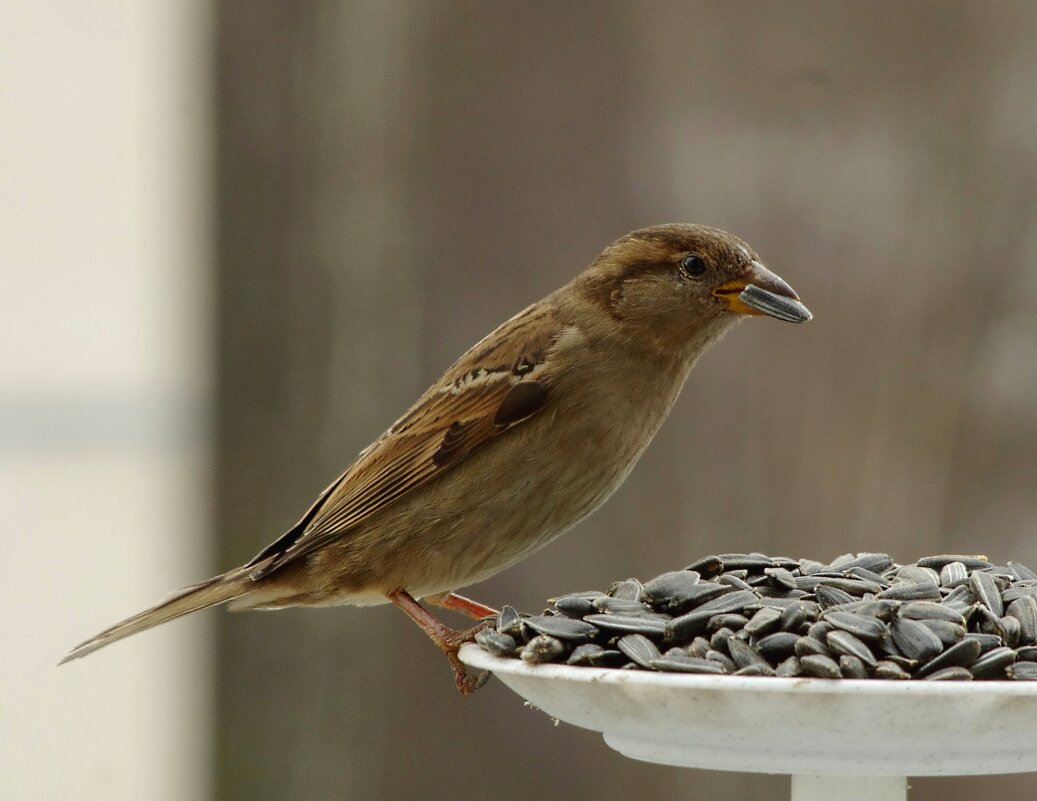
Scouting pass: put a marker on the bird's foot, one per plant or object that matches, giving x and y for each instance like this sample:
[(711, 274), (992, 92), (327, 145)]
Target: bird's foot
[(451, 645), (446, 639)]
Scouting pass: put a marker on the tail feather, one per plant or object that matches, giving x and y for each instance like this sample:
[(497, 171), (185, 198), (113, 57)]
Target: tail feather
[(217, 590)]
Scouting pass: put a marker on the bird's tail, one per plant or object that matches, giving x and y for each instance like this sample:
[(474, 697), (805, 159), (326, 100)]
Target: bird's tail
[(217, 590)]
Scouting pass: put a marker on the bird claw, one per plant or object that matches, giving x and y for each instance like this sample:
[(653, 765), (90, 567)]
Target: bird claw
[(447, 640), (466, 684)]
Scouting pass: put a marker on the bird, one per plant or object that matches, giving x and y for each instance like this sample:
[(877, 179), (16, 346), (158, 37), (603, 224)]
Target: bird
[(526, 434)]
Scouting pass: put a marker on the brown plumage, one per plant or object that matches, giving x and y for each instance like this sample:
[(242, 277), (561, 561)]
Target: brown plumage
[(526, 434)]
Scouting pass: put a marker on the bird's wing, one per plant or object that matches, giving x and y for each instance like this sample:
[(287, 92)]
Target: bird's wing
[(495, 386)]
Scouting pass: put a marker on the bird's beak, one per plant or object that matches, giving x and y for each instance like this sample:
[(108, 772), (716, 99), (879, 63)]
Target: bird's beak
[(759, 291)]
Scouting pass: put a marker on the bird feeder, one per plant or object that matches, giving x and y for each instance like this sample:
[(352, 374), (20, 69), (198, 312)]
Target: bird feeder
[(855, 740)]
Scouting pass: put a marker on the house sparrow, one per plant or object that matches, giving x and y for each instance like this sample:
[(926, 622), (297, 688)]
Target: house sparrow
[(524, 436)]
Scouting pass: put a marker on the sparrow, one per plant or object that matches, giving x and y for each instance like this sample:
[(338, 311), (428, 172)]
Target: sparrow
[(525, 435)]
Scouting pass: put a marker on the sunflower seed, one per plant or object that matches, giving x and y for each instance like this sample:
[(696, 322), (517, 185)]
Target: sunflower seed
[(687, 626), (993, 663), (930, 610), (867, 575), (1012, 631), (639, 649), (852, 668), (986, 591), (620, 606), (808, 646), (576, 605), (844, 643), (947, 632), (914, 640), (952, 574), (509, 622), (1027, 654), (830, 596), (1022, 572), (781, 577), (793, 617), (707, 566), (807, 567), (819, 666), (789, 668), (730, 620), (672, 592), (987, 642), (819, 630), (592, 655), (1025, 611), (915, 574), (771, 594), (840, 561), (937, 562), (627, 590), (886, 669), (959, 595), (564, 628), (718, 642), (923, 591), (731, 602), (581, 655), (855, 587), (961, 654), (868, 607), (950, 674), (735, 581), (743, 654), (874, 562), (496, 643), (790, 599), (629, 624), (723, 659), (910, 665), (687, 664), (764, 621), (1017, 591), (867, 628), (1022, 671), (753, 562), (987, 621), (778, 646), (542, 648)]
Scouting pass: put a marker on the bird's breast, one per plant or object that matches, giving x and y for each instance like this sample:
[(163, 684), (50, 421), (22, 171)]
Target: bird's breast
[(560, 466)]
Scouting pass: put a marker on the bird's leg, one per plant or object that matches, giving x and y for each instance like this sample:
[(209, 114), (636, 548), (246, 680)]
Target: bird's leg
[(466, 606), (446, 639)]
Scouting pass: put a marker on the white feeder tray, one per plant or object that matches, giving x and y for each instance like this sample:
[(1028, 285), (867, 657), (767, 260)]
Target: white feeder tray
[(818, 731)]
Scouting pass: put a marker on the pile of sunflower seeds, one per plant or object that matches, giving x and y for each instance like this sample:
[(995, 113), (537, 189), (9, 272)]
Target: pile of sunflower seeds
[(861, 616)]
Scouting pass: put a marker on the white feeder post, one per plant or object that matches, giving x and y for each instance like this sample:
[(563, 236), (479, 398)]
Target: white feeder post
[(811, 787)]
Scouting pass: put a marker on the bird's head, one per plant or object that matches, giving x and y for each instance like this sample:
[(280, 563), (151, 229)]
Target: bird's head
[(679, 280)]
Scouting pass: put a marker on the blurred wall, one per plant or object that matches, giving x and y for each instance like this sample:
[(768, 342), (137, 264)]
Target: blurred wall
[(398, 178), (104, 386)]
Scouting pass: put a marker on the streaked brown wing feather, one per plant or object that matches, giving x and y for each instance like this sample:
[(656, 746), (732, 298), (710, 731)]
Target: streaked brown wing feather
[(499, 383)]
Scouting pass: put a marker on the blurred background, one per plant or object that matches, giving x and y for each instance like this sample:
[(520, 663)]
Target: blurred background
[(237, 239)]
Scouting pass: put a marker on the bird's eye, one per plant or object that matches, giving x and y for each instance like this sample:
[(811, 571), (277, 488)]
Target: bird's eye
[(693, 266)]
